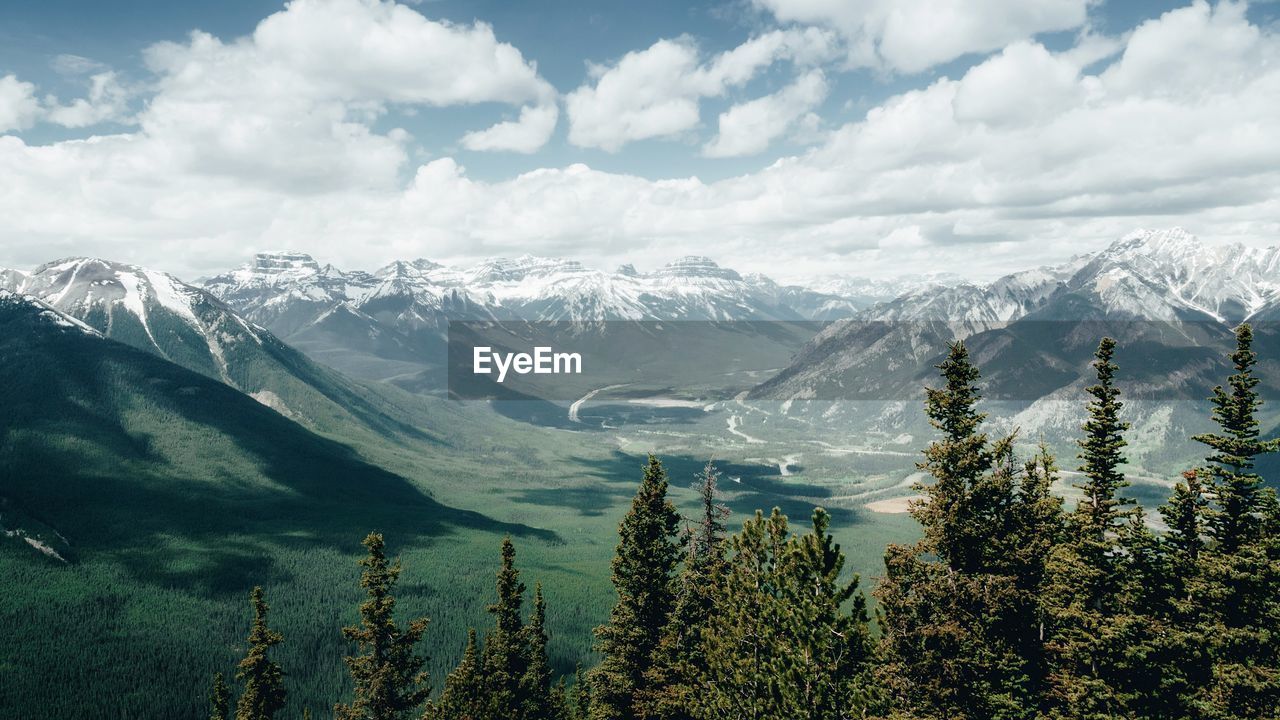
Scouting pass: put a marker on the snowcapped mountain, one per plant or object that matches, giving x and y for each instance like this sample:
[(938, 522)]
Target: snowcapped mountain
[(39, 313), (1169, 299), (186, 325), (274, 287), (11, 279), (150, 310), (391, 322)]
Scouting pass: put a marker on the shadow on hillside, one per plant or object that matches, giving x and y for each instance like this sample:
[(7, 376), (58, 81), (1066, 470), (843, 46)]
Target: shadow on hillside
[(182, 480)]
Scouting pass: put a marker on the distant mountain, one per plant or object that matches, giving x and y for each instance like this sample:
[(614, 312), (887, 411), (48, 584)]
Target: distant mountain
[(11, 279), (391, 323), (159, 314), (1168, 298)]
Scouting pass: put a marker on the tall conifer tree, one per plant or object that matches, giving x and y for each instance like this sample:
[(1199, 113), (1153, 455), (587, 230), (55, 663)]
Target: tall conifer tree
[(643, 575), (505, 657), (388, 675), (537, 677), (1235, 515), (679, 659), (955, 614), (219, 699), (464, 696), (264, 694)]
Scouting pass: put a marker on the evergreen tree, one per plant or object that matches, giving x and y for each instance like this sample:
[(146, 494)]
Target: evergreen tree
[(264, 692), (581, 695), (388, 675), (506, 658), (464, 696), (1101, 510), (1235, 516), (679, 661), (1236, 596), (560, 708), (1088, 647), (219, 699), (538, 704), (788, 639), (742, 644), (1036, 529), (828, 646), (960, 628), (1184, 514), (643, 575), (956, 525)]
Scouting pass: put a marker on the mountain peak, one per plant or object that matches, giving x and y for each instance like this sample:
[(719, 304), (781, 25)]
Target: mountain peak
[(1169, 241), (696, 266), (285, 261), (516, 269)]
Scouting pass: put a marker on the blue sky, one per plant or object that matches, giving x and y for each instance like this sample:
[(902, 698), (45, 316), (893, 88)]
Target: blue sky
[(628, 150)]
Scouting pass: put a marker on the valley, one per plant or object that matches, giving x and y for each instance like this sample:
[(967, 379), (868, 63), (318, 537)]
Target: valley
[(168, 445)]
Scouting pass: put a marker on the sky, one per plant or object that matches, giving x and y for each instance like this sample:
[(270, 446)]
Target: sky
[(799, 138)]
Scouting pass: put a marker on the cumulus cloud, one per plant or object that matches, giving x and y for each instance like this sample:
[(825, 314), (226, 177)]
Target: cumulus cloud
[(293, 104), (1177, 128), (108, 101), (524, 135), (913, 35), (748, 128), (656, 92), (19, 107)]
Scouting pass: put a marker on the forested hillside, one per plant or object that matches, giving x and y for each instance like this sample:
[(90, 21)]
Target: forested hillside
[(1010, 605)]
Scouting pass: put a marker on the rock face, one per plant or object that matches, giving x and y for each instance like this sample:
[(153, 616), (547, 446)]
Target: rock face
[(1171, 300)]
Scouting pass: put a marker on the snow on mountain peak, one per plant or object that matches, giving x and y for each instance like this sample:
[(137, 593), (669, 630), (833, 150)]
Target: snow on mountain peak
[(695, 266)]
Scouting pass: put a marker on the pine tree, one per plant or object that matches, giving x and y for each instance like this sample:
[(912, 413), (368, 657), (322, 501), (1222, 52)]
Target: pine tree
[(464, 696), (643, 575), (788, 638), (1235, 516), (1184, 514), (1036, 529), (1101, 510), (388, 675), (678, 660), (957, 619), (1236, 599), (506, 657), (955, 526), (219, 699), (264, 692), (742, 645), (560, 707), (581, 695), (538, 704), (827, 644), (1090, 606)]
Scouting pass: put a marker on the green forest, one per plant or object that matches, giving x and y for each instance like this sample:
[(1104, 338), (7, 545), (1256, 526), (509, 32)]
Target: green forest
[(1011, 606)]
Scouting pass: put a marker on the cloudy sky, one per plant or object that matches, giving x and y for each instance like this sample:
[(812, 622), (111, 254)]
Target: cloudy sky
[(793, 137)]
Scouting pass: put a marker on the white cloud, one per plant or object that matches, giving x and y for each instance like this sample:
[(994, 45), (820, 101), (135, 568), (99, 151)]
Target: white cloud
[(1176, 129), (292, 106), (524, 135), (748, 128), (913, 35), (19, 107), (655, 92), (1024, 83), (108, 101)]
